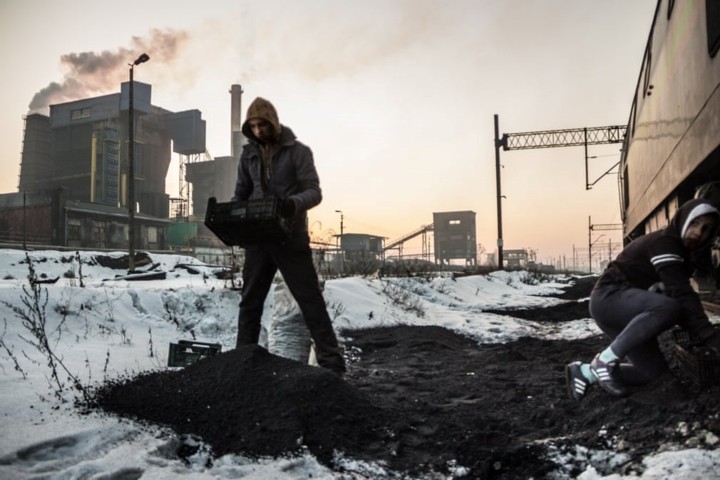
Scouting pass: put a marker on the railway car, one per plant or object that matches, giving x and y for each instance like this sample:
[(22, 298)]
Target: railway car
[(671, 150)]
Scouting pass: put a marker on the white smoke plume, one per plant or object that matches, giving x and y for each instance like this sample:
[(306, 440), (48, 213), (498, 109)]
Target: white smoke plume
[(92, 73)]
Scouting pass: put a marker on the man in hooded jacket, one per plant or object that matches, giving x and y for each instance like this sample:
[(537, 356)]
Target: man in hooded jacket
[(643, 292), (275, 163)]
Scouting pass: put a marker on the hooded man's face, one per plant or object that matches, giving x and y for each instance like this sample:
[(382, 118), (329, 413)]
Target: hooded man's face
[(262, 129), (698, 232)]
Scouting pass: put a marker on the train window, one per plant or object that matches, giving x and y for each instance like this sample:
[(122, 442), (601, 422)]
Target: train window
[(646, 76), (712, 16), (671, 4)]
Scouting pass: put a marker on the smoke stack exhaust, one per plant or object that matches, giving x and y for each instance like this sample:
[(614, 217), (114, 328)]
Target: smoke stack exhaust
[(236, 136)]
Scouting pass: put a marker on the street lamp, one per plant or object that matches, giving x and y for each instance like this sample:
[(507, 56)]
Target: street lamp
[(131, 167), (342, 256), (341, 222)]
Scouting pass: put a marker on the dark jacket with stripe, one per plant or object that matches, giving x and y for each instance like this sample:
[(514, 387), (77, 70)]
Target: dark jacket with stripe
[(660, 256)]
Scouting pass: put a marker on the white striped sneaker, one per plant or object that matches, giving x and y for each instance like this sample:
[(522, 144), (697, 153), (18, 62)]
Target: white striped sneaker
[(575, 381), (606, 375)]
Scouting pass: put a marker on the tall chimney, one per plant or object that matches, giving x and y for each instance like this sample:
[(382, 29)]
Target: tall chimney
[(236, 136)]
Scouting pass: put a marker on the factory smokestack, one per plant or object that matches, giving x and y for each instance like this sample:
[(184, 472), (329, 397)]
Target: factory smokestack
[(236, 136)]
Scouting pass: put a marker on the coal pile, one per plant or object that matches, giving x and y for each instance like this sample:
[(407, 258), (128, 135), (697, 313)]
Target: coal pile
[(249, 401)]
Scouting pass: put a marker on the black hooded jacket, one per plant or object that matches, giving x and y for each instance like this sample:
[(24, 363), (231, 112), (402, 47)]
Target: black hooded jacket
[(660, 256), (291, 173)]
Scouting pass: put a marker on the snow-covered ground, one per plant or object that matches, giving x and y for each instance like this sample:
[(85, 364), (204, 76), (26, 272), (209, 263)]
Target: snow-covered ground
[(102, 326)]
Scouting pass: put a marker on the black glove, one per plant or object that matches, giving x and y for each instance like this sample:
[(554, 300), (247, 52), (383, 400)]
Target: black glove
[(713, 343), (287, 208)]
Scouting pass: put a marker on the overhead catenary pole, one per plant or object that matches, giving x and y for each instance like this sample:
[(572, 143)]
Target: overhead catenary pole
[(587, 169), (552, 139), (498, 189), (590, 244)]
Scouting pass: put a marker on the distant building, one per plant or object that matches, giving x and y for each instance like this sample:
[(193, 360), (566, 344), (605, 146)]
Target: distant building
[(455, 237), (77, 159), (83, 147), (50, 218), (214, 178), (516, 259), (361, 244)]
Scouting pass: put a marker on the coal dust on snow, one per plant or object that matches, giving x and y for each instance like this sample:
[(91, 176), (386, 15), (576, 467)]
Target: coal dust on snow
[(423, 399)]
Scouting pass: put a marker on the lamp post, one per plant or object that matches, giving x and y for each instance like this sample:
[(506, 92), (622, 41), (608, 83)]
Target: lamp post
[(342, 256), (131, 167), (341, 223)]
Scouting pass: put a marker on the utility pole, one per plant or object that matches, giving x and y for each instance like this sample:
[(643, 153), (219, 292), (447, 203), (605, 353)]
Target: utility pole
[(573, 137), (498, 191)]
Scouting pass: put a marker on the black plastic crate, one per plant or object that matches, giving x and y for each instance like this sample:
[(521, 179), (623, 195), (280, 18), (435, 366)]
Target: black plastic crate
[(247, 223), (696, 361), (685, 339), (187, 352)]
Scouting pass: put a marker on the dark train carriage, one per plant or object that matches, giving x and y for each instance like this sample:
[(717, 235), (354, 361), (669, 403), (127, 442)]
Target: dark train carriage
[(671, 151)]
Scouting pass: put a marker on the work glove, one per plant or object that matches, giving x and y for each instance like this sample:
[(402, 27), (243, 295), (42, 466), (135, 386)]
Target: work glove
[(287, 208), (713, 344)]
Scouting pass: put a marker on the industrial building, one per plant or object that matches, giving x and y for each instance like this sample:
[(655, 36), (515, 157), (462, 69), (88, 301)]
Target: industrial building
[(73, 186), (83, 147), (48, 217), (455, 237), (202, 179), (76, 159)]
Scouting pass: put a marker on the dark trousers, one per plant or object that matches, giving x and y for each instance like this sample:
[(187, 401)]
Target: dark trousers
[(634, 318), (294, 260)]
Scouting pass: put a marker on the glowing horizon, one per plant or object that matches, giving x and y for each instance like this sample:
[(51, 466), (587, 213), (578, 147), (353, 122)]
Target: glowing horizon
[(396, 99)]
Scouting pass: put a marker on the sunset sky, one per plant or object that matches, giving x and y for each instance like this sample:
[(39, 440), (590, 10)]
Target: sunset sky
[(395, 97)]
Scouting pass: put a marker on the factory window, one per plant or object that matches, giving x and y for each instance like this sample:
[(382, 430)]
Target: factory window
[(152, 234), (80, 113), (73, 229), (99, 231)]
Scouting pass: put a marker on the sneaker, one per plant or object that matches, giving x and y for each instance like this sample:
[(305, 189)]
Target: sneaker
[(575, 381), (605, 373)]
